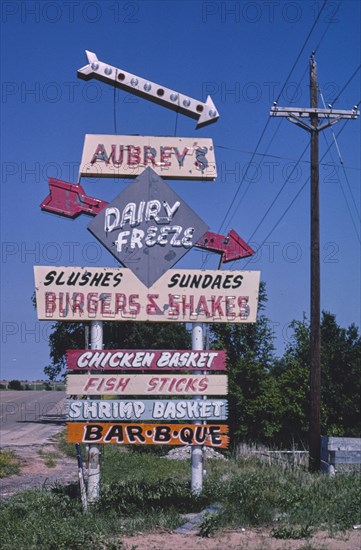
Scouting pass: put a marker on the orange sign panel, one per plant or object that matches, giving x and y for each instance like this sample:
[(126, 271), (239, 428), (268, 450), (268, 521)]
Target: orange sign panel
[(210, 435)]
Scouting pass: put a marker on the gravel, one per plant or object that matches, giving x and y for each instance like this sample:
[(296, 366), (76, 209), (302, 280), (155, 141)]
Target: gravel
[(184, 453)]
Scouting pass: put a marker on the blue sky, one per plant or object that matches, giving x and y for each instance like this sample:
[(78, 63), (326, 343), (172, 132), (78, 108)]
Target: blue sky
[(244, 54)]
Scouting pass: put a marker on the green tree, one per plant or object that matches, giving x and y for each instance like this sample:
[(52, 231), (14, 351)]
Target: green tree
[(292, 375), (340, 378), (251, 388), (15, 385), (340, 382)]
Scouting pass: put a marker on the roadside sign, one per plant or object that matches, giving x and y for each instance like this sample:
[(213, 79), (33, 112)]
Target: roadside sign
[(108, 156), (232, 247), (114, 294), (133, 84), (106, 410), (116, 360), (210, 435), (148, 227), (69, 200), (146, 384)]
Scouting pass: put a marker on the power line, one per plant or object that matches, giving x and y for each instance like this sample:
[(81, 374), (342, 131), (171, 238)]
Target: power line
[(269, 145), (246, 172), (278, 194), (328, 26), (320, 163), (243, 177), (244, 151), (303, 47), (254, 153), (293, 201), (266, 125), (344, 171), (346, 201), (347, 83)]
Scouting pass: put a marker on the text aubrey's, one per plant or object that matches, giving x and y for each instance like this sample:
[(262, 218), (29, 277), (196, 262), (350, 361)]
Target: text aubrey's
[(127, 156)]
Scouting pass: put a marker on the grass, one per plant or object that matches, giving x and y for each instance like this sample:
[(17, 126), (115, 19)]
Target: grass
[(49, 457), (9, 463), (66, 448), (143, 492)]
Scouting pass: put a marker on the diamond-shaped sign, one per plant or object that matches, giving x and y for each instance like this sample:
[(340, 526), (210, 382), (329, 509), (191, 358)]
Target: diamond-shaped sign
[(148, 227)]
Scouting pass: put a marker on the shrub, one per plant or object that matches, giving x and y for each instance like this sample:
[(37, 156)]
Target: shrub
[(15, 385)]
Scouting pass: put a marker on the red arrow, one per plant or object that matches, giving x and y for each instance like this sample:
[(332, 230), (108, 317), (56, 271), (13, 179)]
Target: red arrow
[(70, 200), (232, 247)]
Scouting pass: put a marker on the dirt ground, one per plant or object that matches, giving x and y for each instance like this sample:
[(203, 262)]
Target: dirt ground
[(247, 539), (35, 473)]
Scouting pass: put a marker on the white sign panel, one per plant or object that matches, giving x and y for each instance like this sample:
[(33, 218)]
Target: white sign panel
[(146, 384), (115, 294), (146, 409), (127, 156)]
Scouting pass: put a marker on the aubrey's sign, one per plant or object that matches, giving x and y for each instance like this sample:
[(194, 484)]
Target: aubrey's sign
[(128, 156), (146, 384), (149, 434), (145, 360), (80, 294), (148, 409)]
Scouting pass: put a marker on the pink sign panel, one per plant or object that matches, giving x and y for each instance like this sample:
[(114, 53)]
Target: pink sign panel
[(117, 360)]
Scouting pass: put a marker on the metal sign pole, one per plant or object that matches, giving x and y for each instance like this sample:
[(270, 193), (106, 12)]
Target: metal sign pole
[(96, 342), (197, 451)]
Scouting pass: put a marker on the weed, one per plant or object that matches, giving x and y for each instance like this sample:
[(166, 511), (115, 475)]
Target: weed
[(209, 525), (68, 449), (145, 492), (49, 457), (9, 463), (128, 497), (291, 532)]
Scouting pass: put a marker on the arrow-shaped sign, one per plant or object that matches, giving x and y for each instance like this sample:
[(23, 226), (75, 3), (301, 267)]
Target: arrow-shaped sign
[(232, 247), (206, 113), (70, 200)]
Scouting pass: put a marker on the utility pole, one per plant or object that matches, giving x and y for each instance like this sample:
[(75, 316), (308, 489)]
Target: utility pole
[(315, 301), (297, 115)]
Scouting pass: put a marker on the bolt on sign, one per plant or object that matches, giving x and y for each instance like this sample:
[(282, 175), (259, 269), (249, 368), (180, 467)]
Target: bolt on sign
[(146, 384), (127, 156), (210, 435), (114, 294), (148, 409), (84, 360), (148, 227)]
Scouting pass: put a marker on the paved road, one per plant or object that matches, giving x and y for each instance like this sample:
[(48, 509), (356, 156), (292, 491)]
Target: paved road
[(30, 417)]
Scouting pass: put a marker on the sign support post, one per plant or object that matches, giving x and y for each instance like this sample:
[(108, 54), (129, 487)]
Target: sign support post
[(197, 451), (96, 342)]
